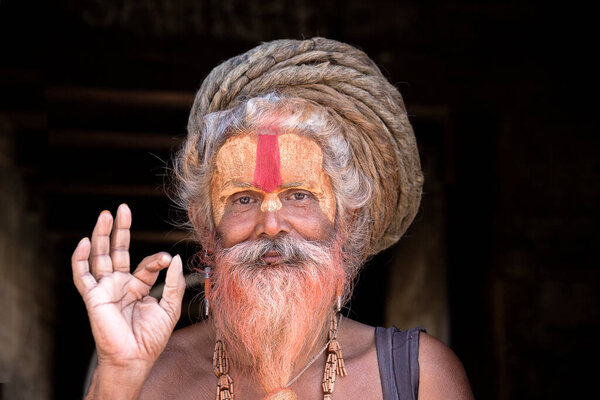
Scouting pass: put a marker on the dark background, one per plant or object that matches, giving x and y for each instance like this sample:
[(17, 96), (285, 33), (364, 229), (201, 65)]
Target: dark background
[(503, 101)]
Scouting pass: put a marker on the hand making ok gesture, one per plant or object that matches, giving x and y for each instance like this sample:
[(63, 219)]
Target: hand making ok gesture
[(130, 327)]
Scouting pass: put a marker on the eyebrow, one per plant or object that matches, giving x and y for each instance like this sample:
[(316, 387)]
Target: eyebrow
[(291, 184), (309, 184), (245, 185), (237, 184)]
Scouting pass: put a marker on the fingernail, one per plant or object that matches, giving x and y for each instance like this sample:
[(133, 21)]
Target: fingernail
[(85, 239), (105, 212)]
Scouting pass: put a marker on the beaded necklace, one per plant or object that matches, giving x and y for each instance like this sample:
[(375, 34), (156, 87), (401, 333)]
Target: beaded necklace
[(333, 366)]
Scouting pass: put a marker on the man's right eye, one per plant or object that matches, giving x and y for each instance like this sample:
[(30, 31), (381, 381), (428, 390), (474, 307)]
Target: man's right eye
[(244, 200)]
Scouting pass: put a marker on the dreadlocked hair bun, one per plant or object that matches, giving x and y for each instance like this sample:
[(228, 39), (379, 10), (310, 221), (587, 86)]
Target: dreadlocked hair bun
[(346, 83)]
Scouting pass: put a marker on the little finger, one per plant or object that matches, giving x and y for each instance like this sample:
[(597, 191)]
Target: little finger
[(84, 281)]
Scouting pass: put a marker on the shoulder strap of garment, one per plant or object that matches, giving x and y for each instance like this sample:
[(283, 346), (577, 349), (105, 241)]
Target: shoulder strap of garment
[(398, 358)]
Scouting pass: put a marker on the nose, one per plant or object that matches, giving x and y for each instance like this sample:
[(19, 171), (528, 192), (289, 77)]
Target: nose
[(271, 223)]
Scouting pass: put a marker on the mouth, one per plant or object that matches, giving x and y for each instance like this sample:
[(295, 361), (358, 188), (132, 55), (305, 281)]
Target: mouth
[(272, 257)]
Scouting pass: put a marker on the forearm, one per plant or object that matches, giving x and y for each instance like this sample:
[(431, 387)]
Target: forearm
[(117, 383)]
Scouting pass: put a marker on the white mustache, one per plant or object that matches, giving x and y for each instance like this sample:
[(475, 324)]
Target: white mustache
[(292, 250)]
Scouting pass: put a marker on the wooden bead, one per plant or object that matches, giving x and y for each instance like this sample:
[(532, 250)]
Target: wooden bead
[(220, 360)]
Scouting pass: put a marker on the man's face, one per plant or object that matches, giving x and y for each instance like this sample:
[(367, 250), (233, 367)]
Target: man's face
[(268, 183), (273, 205)]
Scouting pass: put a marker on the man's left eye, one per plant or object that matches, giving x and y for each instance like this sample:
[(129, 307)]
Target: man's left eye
[(299, 196)]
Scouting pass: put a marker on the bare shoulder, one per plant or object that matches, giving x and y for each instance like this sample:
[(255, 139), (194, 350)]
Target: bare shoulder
[(185, 366), (357, 341), (357, 337), (441, 374)]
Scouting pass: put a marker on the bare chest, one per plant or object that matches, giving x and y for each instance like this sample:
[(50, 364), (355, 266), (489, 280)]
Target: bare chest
[(199, 383)]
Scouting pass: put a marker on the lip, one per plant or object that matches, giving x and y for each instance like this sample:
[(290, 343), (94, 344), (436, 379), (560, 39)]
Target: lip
[(272, 257)]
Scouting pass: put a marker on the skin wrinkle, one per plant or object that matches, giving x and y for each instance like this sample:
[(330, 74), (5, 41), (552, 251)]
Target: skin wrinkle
[(301, 168)]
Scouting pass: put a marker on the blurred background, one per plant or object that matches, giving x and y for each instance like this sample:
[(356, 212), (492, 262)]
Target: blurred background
[(500, 263)]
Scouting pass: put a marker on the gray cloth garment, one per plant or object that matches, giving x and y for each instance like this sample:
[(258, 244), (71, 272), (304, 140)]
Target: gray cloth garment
[(398, 358)]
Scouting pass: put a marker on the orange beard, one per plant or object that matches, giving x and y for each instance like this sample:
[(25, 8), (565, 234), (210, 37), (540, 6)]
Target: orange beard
[(272, 318)]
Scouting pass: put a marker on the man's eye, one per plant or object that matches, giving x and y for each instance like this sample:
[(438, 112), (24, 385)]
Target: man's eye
[(244, 200), (299, 196)]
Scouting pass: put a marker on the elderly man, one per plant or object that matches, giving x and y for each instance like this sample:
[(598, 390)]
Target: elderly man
[(299, 164)]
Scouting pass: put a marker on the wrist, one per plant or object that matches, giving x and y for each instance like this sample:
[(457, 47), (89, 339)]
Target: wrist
[(118, 382)]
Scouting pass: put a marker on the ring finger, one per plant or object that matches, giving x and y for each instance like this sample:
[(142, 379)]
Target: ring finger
[(100, 262)]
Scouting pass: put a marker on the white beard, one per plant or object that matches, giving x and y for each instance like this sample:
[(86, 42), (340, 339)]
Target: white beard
[(272, 317)]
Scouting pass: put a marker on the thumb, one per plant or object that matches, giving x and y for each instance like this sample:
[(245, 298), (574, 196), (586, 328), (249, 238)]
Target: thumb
[(174, 289)]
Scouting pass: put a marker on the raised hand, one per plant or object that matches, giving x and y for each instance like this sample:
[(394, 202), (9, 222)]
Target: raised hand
[(130, 327)]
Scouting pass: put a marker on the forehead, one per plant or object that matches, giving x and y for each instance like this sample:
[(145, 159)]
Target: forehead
[(271, 163), (300, 158)]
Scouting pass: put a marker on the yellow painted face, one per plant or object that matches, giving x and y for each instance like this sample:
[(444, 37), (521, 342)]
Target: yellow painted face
[(270, 163)]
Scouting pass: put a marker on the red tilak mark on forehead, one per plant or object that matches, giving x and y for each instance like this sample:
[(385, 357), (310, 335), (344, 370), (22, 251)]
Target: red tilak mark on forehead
[(267, 173)]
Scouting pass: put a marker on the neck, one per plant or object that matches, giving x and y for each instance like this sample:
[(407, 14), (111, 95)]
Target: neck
[(334, 365), (313, 341)]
